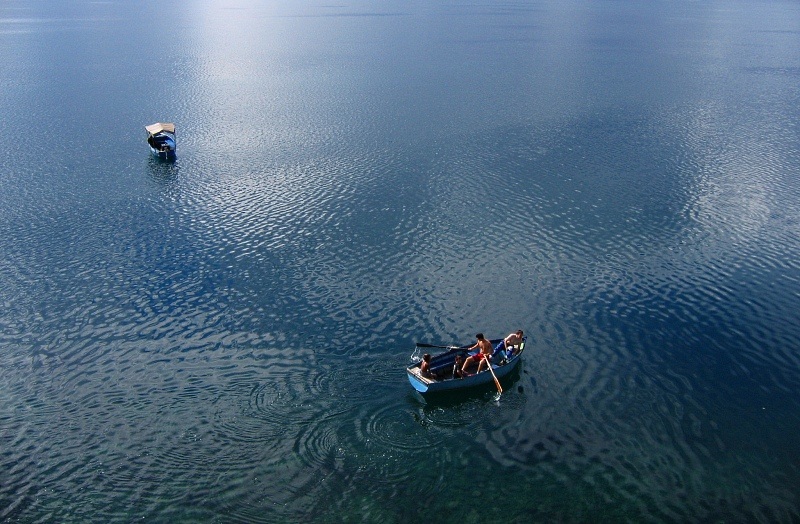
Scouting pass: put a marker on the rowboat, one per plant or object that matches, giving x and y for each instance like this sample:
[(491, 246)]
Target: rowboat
[(441, 366), (161, 139)]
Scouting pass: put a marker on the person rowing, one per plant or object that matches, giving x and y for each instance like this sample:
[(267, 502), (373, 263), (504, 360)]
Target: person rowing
[(484, 353), (507, 344)]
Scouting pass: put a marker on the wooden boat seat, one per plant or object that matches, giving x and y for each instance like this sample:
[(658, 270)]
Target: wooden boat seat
[(416, 372)]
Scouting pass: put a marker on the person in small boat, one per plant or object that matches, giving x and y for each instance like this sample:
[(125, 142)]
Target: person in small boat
[(484, 353), (425, 367), (507, 344), (457, 373)]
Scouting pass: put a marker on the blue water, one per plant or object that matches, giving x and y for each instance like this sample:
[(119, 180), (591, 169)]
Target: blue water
[(222, 338)]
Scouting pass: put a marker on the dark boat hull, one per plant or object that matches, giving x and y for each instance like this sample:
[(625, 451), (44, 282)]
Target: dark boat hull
[(163, 155)]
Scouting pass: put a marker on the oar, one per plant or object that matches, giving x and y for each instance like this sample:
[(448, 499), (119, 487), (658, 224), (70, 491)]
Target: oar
[(423, 345), (496, 382)]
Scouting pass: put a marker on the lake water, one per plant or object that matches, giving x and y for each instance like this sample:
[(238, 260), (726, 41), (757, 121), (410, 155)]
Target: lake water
[(223, 338)]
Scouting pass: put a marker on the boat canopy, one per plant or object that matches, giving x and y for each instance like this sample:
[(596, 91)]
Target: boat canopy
[(159, 127)]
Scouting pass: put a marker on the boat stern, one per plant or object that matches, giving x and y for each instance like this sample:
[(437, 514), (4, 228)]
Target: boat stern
[(416, 382)]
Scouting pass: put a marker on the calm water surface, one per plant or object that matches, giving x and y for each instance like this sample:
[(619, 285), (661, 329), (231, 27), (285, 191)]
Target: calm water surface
[(222, 339)]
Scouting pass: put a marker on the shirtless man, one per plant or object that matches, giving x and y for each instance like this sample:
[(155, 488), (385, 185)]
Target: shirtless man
[(485, 351), (508, 343), (425, 366)]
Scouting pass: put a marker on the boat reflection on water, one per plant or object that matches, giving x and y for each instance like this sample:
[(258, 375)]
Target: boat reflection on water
[(164, 173)]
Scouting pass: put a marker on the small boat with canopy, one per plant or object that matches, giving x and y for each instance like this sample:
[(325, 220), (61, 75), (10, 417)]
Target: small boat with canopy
[(161, 139)]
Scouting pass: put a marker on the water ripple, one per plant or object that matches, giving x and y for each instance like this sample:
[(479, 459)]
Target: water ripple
[(223, 337)]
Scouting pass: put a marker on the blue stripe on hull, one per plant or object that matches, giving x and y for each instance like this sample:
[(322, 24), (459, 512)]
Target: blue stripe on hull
[(419, 386)]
